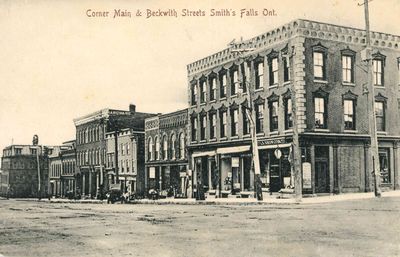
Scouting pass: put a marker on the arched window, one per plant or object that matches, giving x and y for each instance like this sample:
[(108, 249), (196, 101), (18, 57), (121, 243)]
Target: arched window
[(150, 155), (165, 147), (173, 147), (182, 146), (157, 151)]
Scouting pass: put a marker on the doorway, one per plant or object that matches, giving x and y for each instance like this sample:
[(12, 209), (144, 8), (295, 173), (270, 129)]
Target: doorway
[(322, 169)]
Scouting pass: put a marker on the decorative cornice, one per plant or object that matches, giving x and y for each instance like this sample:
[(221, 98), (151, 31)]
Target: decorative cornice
[(273, 97), (320, 92), (299, 27), (380, 98), (349, 96)]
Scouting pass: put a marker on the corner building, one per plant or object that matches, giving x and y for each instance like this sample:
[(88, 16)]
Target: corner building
[(322, 65)]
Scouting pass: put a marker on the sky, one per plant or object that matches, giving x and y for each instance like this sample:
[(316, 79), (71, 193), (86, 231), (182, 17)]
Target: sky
[(57, 64)]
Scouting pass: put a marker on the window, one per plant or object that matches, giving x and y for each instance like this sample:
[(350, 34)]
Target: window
[(320, 113), (165, 148), (213, 125), (349, 117), (286, 69), (18, 151), (122, 149), (194, 128), (235, 81), (223, 85), (273, 116), (246, 124), (259, 67), (246, 76), (182, 145), (223, 121), (127, 148), (380, 116), (384, 165), (194, 94), (347, 69), (234, 122), (273, 71), (398, 69), (259, 118), (173, 147), (127, 165), (288, 114), (33, 151), (319, 65), (157, 150), (203, 126), (213, 88), (203, 90), (122, 166), (377, 66)]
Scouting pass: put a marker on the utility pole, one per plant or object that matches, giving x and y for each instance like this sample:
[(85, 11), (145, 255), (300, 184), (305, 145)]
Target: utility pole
[(251, 116), (35, 142), (371, 102)]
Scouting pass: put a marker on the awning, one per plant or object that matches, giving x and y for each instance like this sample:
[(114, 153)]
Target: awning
[(235, 149), (199, 154), (274, 146)]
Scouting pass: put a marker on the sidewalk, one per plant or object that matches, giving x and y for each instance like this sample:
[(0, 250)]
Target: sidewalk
[(235, 201)]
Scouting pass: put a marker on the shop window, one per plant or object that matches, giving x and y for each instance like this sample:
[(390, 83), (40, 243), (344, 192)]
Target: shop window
[(384, 165)]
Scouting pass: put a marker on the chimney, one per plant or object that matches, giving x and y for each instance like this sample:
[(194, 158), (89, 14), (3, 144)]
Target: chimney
[(132, 108)]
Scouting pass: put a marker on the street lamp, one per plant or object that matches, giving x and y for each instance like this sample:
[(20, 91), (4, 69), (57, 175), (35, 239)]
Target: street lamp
[(35, 142)]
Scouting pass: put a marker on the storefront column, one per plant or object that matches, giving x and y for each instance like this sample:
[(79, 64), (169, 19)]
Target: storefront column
[(312, 152), (90, 183), (209, 175), (97, 183), (83, 184), (331, 169), (241, 173), (395, 166), (366, 167), (335, 169)]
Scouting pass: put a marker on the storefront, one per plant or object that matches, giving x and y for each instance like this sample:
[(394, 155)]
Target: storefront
[(171, 180)]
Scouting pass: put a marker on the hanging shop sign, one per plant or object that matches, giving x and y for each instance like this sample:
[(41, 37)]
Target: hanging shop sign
[(278, 153), (306, 175), (277, 141), (152, 172), (235, 162)]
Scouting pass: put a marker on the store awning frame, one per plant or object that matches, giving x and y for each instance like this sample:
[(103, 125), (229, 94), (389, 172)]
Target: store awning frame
[(274, 146)]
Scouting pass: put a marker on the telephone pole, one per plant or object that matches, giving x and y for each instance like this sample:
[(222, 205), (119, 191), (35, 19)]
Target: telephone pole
[(371, 102)]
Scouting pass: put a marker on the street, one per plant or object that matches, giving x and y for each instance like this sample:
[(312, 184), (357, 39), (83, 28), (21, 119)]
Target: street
[(369, 227)]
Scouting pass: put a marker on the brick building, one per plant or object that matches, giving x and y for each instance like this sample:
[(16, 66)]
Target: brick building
[(20, 171), (62, 167), (131, 147), (91, 146), (322, 64), (166, 155)]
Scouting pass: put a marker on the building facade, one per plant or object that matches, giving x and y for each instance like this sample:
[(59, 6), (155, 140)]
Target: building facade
[(62, 167), (130, 149), (91, 146), (166, 156), (20, 175), (321, 64)]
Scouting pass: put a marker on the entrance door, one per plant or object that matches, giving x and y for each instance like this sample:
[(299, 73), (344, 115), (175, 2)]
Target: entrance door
[(321, 176)]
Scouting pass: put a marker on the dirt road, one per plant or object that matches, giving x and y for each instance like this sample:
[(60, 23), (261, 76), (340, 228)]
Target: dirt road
[(353, 228)]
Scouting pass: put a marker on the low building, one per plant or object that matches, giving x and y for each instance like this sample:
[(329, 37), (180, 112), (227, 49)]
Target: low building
[(20, 176), (166, 155)]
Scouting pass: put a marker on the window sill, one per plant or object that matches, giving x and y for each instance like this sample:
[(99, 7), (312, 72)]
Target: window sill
[(260, 134), (202, 104), (381, 132), (203, 141), (233, 96), (286, 83), (212, 101), (222, 98), (321, 130), (259, 89), (274, 133), (213, 139), (273, 86), (288, 131), (350, 131), (379, 86), (223, 139), (349, 84), (234, 137), (246, 136), (320, 81)]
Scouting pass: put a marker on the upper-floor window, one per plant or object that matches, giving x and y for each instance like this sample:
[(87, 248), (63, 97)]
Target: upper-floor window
[(319, 65), (173, 147), (122, 149), (377, 65), (246, 76), (182, 146), (203, 126), (259, 118), (223, 123), (213, 88), (33, 151), (320, 113), (194, 94), (127, 148), (194, 128), (273, 71), (273, 116), (165, 147), (349, 114), (18, 151), (213, 125), (234, 122), (398, 69), (288, 113), (157, 149), (380, 115), (348, 69), (286, 69), (246, 122), (203, 91), (235, 81), (259, 69), (223, 84)]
